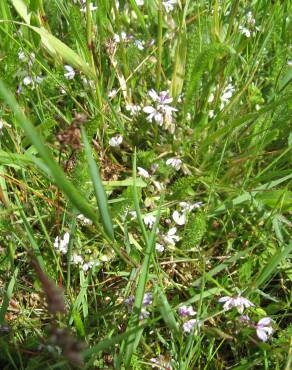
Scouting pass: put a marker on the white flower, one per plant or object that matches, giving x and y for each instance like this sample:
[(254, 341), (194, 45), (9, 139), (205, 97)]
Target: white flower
[(153, 114), (91, 7), (116, 140), (84, 220), (188, 207), (70, 72), (27, 80), (39, 79), (76, 259), (133, 109), (149, 221), (171, 238), (140, 2), (245, 31), (117, 38), (211, 113), (264, 328), (239, 302), (112, 93), (87, 265), (169, 5), (179, 218), (62, 244), (21, 55), (159, 247), (139, 44), (289, 63), (189, 325), (143, 172), (174, 162), (227, 93)]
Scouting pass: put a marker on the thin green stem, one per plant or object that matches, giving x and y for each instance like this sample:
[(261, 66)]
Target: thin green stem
[(159, 48)]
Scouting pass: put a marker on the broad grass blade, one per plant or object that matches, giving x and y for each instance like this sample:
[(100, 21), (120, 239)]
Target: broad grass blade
[(100, 194)]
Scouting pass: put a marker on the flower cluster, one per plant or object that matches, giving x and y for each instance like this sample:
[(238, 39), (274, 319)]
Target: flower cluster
[(263, 328), (147, 301), (189, 325), (161, 112), (248, 28), (61, 244)]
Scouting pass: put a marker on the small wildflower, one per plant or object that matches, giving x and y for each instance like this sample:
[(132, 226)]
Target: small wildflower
[(116, 140), (185, 311), (139, 44), (91, 7), (179, 218), (112, 93), (133, 109), (27, 80), (264, 329), (117, 38), (190, 325), (70, 74), (169, 5), (84, 220), (239, 302), (144, 314), (88, 265), (62, 244), (188, 207), (159, 247), (211, 113), (244, 319), (21, 55), (147, 299), (171, 238), (76, 259), (142, 172), (149, 221), (140, 2), (175, 163)]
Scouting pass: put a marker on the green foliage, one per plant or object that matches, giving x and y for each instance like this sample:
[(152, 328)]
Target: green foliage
[(194, 231)]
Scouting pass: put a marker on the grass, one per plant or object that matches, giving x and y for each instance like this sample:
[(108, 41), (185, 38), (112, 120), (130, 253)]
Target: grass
[(150, 176)]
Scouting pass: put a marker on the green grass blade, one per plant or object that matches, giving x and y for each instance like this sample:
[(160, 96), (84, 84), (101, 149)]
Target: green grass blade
[(100, 194), (7, 296), (57, 173)]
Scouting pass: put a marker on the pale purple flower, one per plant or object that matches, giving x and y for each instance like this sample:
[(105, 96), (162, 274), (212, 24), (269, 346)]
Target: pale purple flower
[(117, 38), (147, 299), (144, 314), (185, 311), (161, 112), (189, 325), (239, 302), (139, 44), (70, 74), (116, 140), (264, 329), (175, 163)]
